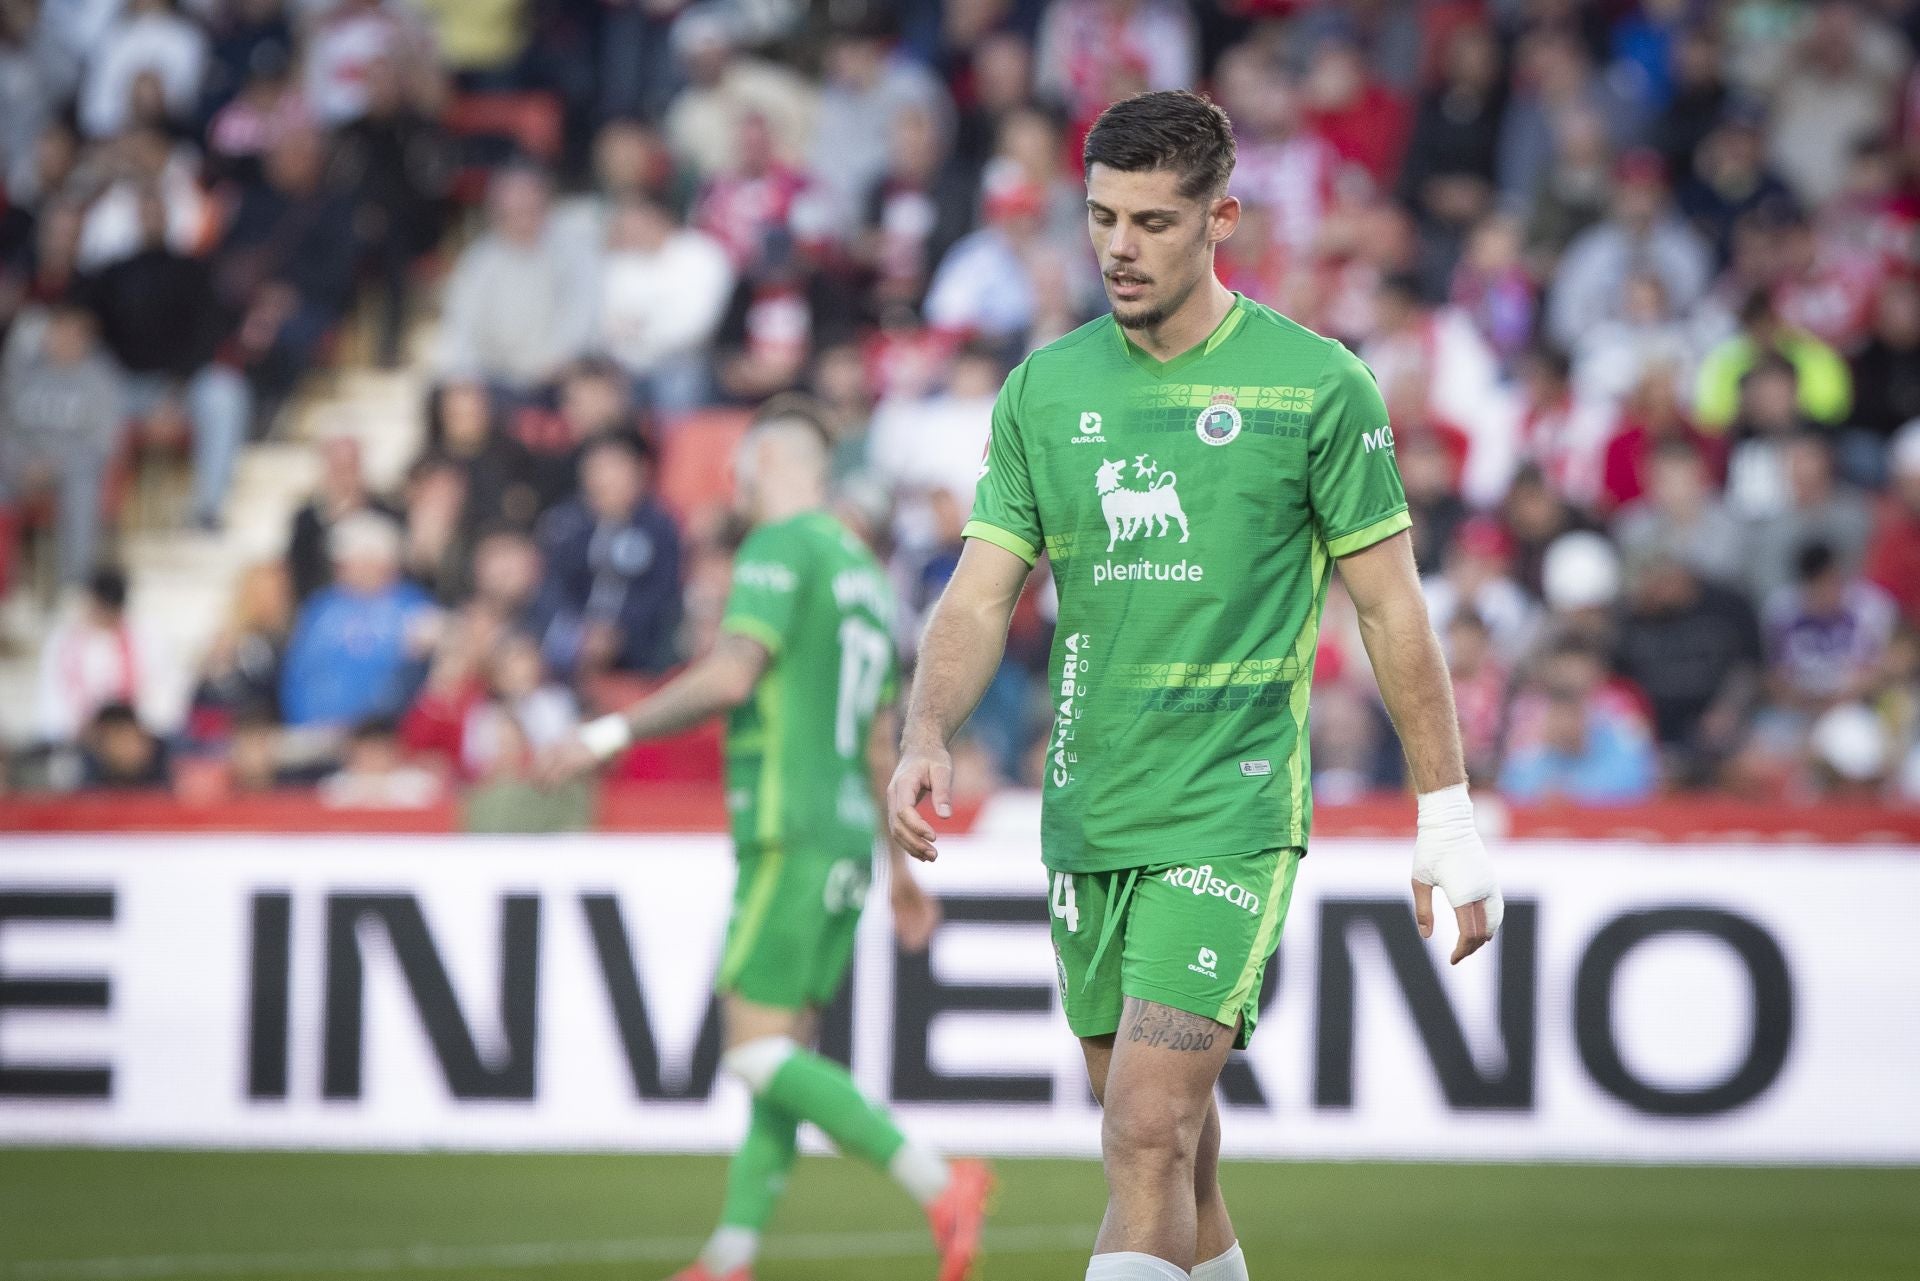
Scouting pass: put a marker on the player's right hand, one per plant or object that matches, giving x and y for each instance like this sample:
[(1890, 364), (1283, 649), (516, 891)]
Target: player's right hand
[(566, 761), (922, 771)]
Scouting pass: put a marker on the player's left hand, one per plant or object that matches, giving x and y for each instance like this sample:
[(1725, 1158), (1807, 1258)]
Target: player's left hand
[(916, 914), (1448, 852)]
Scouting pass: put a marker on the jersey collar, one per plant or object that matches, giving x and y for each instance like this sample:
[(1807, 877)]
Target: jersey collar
[(1228, 326)]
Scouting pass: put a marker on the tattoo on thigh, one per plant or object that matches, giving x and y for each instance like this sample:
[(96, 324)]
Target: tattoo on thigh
[(1164, 1028)]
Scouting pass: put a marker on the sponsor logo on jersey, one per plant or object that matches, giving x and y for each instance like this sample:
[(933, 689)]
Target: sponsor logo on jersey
[(1089, 432), (1219, 422), (854, 588), (1202, 881), (1379, 438), (1256, 769), (1132, 512), (1061, 758), (1207, 960), (770, 575)]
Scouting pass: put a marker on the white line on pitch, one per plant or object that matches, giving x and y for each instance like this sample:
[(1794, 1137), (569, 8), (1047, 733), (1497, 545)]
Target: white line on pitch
[(1027, 1239)]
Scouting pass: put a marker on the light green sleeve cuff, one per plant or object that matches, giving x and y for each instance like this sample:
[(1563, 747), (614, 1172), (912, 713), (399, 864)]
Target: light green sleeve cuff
[(1001, 538), (1361, 539), (753, 629)]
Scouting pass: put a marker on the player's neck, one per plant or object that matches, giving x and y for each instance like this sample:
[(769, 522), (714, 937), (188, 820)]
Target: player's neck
[(782, 507), (1188, 327)]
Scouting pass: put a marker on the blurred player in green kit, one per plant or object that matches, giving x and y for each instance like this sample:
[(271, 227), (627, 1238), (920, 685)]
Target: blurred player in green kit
[(806, 674), (1194, 465)]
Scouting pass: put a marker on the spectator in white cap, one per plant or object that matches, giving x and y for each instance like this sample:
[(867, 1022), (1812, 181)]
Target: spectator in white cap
[(355, 644), (1851, 754), (724, 87), (1580, 580)]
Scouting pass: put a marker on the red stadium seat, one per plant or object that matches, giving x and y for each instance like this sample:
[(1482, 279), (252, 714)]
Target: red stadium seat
[(532, 123), (696, 461)]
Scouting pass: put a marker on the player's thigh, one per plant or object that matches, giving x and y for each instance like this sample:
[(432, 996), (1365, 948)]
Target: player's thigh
[(749, 1021), (1089, 976), (790, 938), (1199, 935), (1098, 1052), (1160, 1079)]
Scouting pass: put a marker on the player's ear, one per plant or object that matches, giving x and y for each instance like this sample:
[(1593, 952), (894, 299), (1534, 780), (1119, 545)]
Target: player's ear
[(1222, 219)]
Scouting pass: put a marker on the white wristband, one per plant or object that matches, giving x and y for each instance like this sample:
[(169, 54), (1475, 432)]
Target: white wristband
[(1445, 807), (1449, 854), (607, 735)]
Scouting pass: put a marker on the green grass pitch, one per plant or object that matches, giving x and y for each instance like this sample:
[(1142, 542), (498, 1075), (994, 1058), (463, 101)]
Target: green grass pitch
[(68, 1215)]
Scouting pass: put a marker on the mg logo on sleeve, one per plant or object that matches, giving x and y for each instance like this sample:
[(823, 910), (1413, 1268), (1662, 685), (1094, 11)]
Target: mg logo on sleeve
[(1380, 438)]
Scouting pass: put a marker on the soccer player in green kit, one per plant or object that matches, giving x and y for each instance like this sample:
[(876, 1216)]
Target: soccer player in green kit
[(1193, 464), (806, 674)]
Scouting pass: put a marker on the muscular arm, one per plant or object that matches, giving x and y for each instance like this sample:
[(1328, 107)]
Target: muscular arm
[(964, 641), (1407, 661), (959, 654), (719, 682), (1418, 692)]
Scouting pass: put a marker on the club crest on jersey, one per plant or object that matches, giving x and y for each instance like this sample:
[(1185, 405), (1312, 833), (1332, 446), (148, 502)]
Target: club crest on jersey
[(1219, 422), (1130, 512)]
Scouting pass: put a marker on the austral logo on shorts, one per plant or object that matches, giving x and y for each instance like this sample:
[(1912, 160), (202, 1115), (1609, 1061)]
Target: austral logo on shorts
[(1201, 880), (1206, 962)]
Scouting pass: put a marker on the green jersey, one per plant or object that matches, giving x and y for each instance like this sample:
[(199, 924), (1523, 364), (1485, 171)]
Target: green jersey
[(1191, 510), (797, 777)]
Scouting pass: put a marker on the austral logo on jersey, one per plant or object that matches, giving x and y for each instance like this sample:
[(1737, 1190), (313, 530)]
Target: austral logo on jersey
[(1090, 430), (1219, 422), (1073, 686), (1148, 512)]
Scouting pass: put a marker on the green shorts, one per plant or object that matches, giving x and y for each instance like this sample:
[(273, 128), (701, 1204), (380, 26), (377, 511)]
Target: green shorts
[(1196, 936), (790, 937)]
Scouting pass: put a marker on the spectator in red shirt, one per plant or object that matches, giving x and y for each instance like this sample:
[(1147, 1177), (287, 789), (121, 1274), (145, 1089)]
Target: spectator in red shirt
[(1364, 120), (1651, 416), (1893, 557)]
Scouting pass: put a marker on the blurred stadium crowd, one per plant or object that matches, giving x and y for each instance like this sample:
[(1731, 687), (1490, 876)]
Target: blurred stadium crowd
[(1640, 283)]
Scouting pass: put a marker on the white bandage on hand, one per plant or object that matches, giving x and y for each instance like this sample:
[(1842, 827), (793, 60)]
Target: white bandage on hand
[(1449, 854), (607, 736)]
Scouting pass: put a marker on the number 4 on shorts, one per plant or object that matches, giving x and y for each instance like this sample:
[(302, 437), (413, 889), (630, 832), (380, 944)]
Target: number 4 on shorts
[(1062, 901)]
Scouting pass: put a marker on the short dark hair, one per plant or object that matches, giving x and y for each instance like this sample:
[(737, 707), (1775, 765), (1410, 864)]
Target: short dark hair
[(1813, 559), (116, 715), (1171, 129), (108, 586)]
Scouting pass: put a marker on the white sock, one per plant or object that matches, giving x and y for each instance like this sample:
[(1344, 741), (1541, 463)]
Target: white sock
[(1128, 1266), (1231, 1266), (921, 1172), (729, 1249)]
